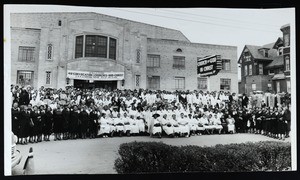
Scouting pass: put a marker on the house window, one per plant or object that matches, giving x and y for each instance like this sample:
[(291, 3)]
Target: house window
[(288, 86), (266, 53), (280, 51), (246, 70), (48, 77), (179, 82), (260, 69), (178, 62), (153, 60), (225, 84), (250, 69), (253, 87), (79, 47), (96, 46), (49, 51), (154, 82), (271, 72), (112, 48), (137, 80), (286, 40), (26, 53), (202, 83), (25, 78), (226, 64), (287, 63), (277, 86), (138, 56), (247, 56)]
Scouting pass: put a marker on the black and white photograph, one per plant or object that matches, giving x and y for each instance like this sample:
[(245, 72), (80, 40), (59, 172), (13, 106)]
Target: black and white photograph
[(114, 90)]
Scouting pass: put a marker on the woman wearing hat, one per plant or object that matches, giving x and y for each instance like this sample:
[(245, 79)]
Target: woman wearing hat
[(184, 125), (119, 124), (104, 130), (156, 126), (57, 122), (93, 122), (167, 126), (230, 124), (84, 119), (48, 122), (134, 128)]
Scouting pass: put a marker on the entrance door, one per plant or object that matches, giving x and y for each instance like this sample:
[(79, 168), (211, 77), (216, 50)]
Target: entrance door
[(85, 84)]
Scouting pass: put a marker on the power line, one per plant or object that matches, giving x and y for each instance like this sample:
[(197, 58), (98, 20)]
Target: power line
[(213, 17), (198, 21)]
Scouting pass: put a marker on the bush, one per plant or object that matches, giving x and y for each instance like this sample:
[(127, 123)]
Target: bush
[(153, 157)]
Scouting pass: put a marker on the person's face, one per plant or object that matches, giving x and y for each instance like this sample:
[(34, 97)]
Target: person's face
[(15, 105)]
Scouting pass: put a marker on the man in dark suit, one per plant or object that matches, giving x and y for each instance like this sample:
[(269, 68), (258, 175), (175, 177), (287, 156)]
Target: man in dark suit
[(245, 100)]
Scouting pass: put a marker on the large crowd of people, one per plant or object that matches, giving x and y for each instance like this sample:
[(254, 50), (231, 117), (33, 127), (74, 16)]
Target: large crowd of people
[(73, 113)]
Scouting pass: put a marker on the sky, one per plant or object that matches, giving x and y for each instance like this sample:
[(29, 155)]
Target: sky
[(224, 26)]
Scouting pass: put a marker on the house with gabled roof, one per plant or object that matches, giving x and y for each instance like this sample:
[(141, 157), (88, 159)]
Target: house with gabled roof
[(265, 68)]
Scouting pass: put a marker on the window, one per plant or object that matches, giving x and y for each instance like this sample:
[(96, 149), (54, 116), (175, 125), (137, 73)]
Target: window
[(246, 70), (266, 53), (178, 62), (247, 56), (286, 40), (96, 46), (49, 51), (79, 47), (26, 53), (260, 69), (271, 72), (153, 82), (287, 63), (153, 60), (288, 86), (250, 69), (277, 86), (25, 78), (226, 64), (48, 77), (137, 80), (179, 82), (280, 51), (253, 87), (112, 48), (202, 83), (225, 84), (138, 56)]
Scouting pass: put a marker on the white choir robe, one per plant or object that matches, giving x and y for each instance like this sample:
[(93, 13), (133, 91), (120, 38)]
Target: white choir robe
[(141, 125), (183, 124), (167, 126), (119, 121), (175, 126), (230, 124), (134, 127), (111, 123), (104, 126), (199, 125), (127, 126), (217, 123), (156, 129), (192, 124)]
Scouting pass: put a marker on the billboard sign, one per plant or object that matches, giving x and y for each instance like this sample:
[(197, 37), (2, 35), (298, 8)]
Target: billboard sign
[(209, 65)]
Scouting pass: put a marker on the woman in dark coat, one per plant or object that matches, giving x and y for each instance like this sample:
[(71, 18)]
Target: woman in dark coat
[(74, 122), (15, 119), (66, 115), (281, 126), (48, 123), (84, 120), (24, 98), (24, 124), (41, 123), (268, 122), (33, 125), (58, 119), (93, 123)]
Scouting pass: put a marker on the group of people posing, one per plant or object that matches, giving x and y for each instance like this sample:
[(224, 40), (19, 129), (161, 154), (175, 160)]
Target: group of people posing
[(80, 113)]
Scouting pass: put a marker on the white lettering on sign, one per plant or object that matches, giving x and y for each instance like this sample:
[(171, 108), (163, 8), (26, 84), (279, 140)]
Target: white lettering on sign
[(84, 75)]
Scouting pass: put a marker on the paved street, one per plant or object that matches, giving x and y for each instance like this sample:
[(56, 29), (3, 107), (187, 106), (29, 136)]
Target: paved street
[(97, 156)]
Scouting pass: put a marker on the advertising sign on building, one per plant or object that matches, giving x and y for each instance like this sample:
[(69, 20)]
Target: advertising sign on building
[(95, 76), (209, 65)]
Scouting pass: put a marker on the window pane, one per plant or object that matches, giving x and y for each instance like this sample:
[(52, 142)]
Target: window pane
[(112, 48), (79, 47), (153, 60), (48, 77), (154, 82), (225, 84), (26, 53), (178, 62), (25, 78)]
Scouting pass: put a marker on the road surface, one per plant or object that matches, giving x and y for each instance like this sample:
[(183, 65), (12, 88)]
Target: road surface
[(97, 156)]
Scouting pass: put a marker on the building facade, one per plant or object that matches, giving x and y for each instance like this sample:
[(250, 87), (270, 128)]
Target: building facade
[(90, 50), (266, 68)]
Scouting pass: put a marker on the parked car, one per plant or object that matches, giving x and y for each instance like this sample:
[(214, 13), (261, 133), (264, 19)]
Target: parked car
[(16, 156)]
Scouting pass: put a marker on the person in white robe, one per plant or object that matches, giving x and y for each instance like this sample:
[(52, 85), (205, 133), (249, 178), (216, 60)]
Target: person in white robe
[(104, 129), (134, 128), (175, 125), (156, 126), (192, 124), (230, 124), (199, 124), (119, 124), (167, 126), (217, 123), (127, 126), (184, 126)]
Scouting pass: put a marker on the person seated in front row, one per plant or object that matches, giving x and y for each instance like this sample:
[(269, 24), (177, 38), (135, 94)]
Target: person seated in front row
[(156, 126), (230, 124), (167, 126)]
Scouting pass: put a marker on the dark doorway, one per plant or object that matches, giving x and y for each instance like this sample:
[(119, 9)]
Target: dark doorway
[(85, 84)]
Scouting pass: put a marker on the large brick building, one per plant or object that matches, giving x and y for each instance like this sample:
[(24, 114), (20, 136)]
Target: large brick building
[(267, 68), (93, 50)]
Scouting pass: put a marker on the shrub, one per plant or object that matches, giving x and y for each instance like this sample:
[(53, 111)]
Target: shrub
[(153, 157)]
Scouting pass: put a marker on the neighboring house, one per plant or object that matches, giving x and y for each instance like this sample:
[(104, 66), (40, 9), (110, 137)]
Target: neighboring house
[(267, 67)]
